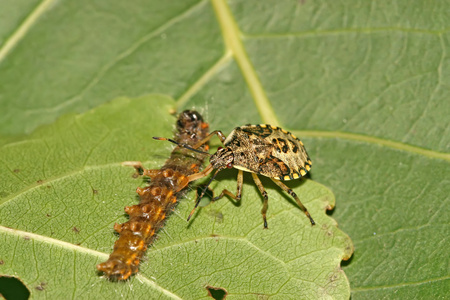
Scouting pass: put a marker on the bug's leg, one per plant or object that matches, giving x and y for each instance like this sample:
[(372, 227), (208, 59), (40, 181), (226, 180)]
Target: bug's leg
[(206, 139), (199, 144), (294, 195), (209, 168), (237, 196), (140, 169), (201, 174), (265, 197)]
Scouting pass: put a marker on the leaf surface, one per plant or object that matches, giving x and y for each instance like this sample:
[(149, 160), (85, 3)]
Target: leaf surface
[(58, 215), (363, 84)]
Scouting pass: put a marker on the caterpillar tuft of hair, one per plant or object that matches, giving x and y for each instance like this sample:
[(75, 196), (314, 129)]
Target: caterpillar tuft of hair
[(158, 199)]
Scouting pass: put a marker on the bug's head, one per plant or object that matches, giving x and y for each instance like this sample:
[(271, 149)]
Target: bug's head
[(222, 159)]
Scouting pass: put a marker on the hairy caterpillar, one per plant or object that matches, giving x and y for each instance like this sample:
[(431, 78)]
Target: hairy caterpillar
[(158, 199)]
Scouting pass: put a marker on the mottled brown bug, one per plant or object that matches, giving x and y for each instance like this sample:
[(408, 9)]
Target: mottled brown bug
[(259, 149)]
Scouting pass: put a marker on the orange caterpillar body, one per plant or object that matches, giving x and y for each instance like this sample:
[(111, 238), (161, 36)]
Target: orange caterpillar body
[(158, 199)]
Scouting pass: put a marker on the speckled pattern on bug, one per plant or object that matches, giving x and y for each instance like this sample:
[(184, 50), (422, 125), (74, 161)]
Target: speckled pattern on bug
[(259, 149), (269, 151)]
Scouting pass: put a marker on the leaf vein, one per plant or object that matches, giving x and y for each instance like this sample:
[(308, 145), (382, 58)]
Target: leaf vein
[(373, 140), (130, 50), (68, 246), (405, 284), (302, 34), (22, 30)]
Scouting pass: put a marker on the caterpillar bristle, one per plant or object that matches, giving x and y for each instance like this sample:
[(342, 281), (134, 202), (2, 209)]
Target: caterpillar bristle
[(158, 199)]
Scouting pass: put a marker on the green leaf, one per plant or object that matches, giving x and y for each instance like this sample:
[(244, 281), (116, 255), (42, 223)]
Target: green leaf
[(363, 83), (63, 193)]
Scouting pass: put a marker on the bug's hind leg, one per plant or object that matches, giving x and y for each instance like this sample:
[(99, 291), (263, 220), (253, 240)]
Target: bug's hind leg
[(237, 196), (265, 197), (294, 195), (140, 169)]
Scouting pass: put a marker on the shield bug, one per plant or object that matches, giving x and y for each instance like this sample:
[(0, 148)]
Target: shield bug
[(261, 150)]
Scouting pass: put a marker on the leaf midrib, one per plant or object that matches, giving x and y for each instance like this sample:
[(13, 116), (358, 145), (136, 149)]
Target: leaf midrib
[(235, 49), (233, 43)]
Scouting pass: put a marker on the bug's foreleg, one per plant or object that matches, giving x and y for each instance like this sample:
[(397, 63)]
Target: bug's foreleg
[(206, 139), (237, 196), (265, 197), (195, 147), (294, 195), (196, 176), (201, 174), (140, 169), (206, 171)]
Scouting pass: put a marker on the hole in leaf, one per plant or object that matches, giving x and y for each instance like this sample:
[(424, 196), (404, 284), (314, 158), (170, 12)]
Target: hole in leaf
[(216, 293), (13, 288)]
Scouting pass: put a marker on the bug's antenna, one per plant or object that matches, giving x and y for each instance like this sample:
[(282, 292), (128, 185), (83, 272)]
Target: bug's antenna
[(181, 145), (202, 194)]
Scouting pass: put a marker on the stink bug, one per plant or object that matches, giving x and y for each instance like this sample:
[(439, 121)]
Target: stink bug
[(259, 149)]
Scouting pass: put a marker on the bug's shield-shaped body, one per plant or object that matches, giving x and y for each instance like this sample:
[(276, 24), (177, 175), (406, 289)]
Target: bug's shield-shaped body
[(269, 151)]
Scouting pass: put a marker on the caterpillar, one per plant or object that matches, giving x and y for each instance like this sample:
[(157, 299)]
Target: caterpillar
[(158, 199)]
